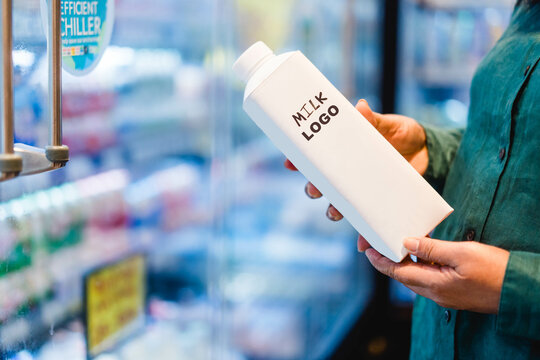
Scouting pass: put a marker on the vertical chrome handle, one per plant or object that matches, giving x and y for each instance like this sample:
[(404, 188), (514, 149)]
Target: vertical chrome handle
[(7, 76), (10, 163), (32, 160), (55, 74), (55, 152)]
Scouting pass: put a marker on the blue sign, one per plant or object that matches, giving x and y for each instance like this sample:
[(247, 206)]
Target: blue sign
[(86, 32)]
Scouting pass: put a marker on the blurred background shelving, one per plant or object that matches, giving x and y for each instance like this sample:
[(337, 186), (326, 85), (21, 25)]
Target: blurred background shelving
[(441, 44)]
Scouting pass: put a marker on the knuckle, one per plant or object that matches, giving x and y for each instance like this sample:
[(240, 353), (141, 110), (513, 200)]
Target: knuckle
[(389, 272), (427, 248), (394, 274)]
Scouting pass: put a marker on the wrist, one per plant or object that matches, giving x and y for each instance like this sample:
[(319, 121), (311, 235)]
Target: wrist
[(423, 162)]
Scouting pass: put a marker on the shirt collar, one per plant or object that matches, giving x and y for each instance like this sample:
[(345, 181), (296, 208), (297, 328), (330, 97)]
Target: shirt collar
[(525, 17)]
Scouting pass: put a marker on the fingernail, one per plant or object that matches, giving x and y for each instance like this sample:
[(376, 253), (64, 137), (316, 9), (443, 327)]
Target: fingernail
[(306, 190), (332, 214), (359, 241), (360, 101), (411, 244), (371, 254), (329, 214)]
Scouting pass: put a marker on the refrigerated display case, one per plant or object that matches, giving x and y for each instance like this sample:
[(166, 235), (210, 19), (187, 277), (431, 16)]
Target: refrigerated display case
[(139, 133), (240, 264)]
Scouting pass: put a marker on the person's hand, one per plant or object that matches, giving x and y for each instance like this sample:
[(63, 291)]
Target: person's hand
[(404, 133), (456, 275)]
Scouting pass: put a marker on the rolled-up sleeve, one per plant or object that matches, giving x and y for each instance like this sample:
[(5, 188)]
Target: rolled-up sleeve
[(519, 306), (442, 146)]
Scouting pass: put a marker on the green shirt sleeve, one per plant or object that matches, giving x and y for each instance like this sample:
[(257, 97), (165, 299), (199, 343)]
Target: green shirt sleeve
[(519, 306), (442, 146)]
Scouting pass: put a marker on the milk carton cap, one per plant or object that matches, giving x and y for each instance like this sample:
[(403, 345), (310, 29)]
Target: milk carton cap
[(251, 59)]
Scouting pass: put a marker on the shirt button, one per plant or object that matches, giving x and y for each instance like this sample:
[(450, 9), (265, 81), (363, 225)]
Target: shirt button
[(447, 316), (502, 154), (527, 70), (470, 235)]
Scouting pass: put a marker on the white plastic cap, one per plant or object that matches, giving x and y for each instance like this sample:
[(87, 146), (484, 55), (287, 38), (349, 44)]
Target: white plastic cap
[(251, 59)]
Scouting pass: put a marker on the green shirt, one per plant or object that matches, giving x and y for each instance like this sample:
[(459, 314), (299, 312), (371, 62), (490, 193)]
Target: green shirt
[(490, 174)]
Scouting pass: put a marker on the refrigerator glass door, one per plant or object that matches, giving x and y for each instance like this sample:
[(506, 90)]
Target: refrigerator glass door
[(292, 282)]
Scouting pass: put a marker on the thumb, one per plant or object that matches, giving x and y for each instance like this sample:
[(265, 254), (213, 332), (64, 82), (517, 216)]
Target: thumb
[(381, 122), (363, 107), (437, 251)]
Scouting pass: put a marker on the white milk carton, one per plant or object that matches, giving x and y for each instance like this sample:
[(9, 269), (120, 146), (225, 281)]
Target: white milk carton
[(338, 150)]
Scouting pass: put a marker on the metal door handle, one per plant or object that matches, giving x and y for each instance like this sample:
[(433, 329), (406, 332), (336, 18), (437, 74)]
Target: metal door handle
[(21, 159), (56, 152), (10, 163)]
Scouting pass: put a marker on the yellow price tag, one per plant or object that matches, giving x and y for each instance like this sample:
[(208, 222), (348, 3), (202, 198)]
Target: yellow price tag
[(114, 303)]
